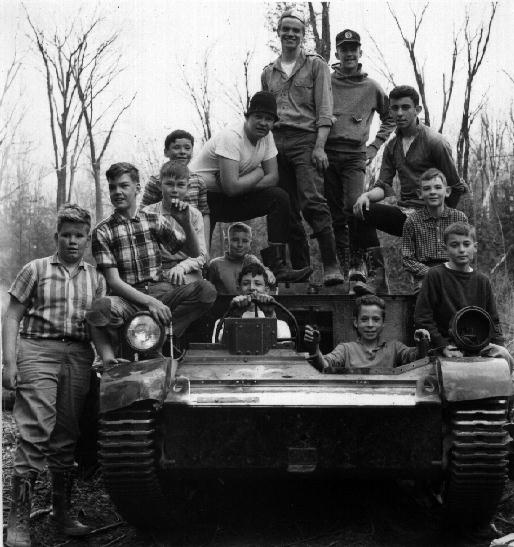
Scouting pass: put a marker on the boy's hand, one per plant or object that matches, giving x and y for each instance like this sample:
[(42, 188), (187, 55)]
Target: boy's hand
[(452, 351), (159, 311), (262, 298), (361, 204), (312, 335), (176, 275), (421, 335), (180, 211), (113, 362), (241, 301), (9, 376)]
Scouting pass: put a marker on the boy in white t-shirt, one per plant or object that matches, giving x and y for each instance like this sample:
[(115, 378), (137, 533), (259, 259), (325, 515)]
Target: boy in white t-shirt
[(239, 168)]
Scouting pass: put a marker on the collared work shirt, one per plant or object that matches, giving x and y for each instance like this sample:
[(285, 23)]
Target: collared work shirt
[(353, 356), (196, 193), (304, 99), (132, 245), (429, 149), (56, 301), (188, 263), (422, 240)]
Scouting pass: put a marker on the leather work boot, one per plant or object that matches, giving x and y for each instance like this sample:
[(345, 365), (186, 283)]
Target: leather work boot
[(274, 258), (357, 275), (62, 484), (376, 270), (327, 249), (18, 533)]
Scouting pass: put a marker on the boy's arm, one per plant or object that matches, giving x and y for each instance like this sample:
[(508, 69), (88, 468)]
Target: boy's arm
[(159, 311), (493, 312), (270, 178), (387, 125), (312, 338), (10, 328), (231, 183), (410, 263), (207, 232), (426, 303), (152, 193)]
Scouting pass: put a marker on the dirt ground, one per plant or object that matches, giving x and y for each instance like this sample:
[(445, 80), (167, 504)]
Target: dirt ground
[(286, 514)]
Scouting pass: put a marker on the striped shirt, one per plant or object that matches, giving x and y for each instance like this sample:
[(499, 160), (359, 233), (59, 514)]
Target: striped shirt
[(56, 302), (422, 240), (132, 245), (196, 193)]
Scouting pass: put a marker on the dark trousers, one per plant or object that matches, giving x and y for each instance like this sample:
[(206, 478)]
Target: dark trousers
[(388, 218), (303, 184), (271, 202), (344, 183)]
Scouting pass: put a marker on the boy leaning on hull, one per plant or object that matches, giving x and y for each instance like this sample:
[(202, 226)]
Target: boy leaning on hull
[(50, 368)]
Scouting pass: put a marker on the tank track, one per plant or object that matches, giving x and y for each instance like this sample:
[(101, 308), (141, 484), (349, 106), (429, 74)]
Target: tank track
[(128, 460), (478, 461)]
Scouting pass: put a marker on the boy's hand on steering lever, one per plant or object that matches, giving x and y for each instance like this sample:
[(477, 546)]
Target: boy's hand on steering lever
[(312, 335)]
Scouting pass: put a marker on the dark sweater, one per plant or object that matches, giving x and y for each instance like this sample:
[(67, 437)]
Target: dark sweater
[(443, 293)]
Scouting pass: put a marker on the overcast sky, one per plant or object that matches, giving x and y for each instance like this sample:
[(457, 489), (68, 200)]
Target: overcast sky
[(157, 36)]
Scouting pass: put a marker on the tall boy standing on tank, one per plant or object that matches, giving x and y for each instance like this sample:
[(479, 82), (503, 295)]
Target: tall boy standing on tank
[(50, 369), (300, 82), (356, 99)]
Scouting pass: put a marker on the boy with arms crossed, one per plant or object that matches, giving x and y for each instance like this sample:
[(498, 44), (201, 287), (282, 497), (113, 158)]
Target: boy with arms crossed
[(51, 370), (369, 351)]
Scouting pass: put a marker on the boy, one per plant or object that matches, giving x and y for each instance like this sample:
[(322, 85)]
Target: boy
[(224, 270), (179, 268), (178, 146), (422, 242), (126, 248), (253, 282), (356, 100), (451, 286), (369, 351), (51, 369)]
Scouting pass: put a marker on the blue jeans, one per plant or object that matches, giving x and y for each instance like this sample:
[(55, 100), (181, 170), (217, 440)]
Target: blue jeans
[(53, 381), (304, 185)]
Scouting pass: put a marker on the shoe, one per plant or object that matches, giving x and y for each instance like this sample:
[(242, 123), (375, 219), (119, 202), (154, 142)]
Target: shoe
[(62, 485), (18, 532), (376, 270), (327, 249), (274, 258), (358, 270)]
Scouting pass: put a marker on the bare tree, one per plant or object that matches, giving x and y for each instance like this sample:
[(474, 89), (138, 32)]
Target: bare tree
[(448, 91), (411, 48), (476, 43), (58, 57), (238, 95), (322, 41), (381, 64), (94, 70)]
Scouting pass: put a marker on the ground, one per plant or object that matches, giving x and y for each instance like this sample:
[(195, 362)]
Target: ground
[(286, 514)]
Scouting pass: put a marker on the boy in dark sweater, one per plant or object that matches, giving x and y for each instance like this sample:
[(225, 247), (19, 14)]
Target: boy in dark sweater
[(451, 286)]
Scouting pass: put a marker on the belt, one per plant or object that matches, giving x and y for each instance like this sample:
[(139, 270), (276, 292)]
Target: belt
[(61, 339)]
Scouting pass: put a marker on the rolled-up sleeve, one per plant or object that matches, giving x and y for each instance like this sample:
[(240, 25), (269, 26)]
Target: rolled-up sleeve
[(323, 98)]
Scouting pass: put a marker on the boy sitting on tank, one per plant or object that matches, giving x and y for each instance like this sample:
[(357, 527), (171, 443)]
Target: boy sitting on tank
[(422, 245), (369, 350), (179, 268), (126, 247), (253, 283), (224, 270), (451, 286)]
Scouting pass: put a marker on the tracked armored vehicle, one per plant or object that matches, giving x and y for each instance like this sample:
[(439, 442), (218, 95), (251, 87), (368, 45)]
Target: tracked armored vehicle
[(253, 405)]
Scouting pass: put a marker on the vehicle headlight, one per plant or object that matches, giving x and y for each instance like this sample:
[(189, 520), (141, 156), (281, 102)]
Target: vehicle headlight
[(143, 333)]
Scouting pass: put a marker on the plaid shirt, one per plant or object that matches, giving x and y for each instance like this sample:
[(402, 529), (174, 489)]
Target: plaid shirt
[(132, 245), (56, 302), (422, 241), (196, 193)]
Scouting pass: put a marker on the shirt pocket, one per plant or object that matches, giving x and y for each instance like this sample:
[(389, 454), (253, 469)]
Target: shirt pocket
[(303, 88)]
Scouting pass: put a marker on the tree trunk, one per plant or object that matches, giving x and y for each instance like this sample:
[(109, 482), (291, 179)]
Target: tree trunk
[(99, 208)]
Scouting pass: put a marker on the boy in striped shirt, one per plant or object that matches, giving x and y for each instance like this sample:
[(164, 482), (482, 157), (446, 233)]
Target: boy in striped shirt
[(50, 368)]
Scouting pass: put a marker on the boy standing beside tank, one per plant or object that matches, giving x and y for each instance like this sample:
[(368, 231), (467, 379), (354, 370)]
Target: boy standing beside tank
[(51, 369), (356, 99)]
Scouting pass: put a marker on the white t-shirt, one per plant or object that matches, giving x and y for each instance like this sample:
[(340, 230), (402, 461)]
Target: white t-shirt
[(231, 143), (283, 330)]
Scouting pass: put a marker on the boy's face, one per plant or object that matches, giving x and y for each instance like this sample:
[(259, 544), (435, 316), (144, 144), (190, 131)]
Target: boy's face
[(180, 150), (369, 323), (259, 124), (72, 240), (433, 192), (291, 33), (123, 192), (404, 112), (461, 251), (173, 188), (253, 284), (239, 244), (349, 54)]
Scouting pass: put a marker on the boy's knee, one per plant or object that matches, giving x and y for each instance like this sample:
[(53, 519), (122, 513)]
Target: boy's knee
[(208, 293)]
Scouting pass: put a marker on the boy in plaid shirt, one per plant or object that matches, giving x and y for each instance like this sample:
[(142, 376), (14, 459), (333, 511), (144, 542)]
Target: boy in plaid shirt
[(423, 232), (50, 369), (126, 247)]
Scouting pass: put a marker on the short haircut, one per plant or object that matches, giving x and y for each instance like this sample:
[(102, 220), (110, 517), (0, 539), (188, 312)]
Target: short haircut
[(460, 229), (368, 300), (294, 15), (178, 134), (116, 170), (433, 173), (72, 213), (174, 169), (405, 91), (254, 268), (239, 227)]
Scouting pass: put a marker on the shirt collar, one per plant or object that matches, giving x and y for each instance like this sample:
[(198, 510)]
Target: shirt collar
[(232, 259), (381, 344), (299, 62), (426, 213), (56, 260), (136, 216)]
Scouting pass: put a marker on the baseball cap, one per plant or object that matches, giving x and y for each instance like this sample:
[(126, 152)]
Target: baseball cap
[(346, 36)]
